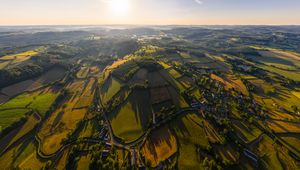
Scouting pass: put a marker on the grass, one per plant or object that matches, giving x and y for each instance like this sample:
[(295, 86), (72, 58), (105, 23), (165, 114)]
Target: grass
[(292, 139), (188, 157), (89, 130), (175, 74), (18, 58), (196, 93), (87, 96), (8, 117), (190, 129), (262, 86), (283, 127), (125, 70), (4, 64), (31, 122), (26, 153), (172, 81), (231, 82), (32, 162), (126, 125), (63, 121), (83, 72), (32, 84), (61, 163), (177, 99), (227, 153), (6, 160), (109, 89), (272, 155), (187, 82), (165, 65), (185, 55), (296, 93), (293, 75), (246, 132), (39, 100), (132, 118), (212, 134), (284, 98), (160, 145), (84, 162)]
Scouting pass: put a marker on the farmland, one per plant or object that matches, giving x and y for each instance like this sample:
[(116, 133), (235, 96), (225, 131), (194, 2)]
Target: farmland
[(172, 98)]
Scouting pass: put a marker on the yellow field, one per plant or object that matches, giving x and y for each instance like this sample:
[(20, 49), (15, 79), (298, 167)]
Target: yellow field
[(174, 73), (87, 95), (190, 128), (110, 88), (296, 93), (61, 164), (4, 64), (165, 65), (17, 58), (160, 145), (63, 121), (227, 153), (188, 157), (6, 160), (88, 130), (245, 131), (266, 87), (83, 72), (116, 64), (231, 83), (273, 156), (127, 125), (32, 162), (185, 55), (212, 134), (283, 127), (131, 119), (84, 162), (28, 126)]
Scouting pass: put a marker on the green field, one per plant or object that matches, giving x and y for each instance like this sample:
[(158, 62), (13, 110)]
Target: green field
[(246, 132), (190, 129), (7, 117), (130, 121), (110, 88), (188, 158), (41, 102)]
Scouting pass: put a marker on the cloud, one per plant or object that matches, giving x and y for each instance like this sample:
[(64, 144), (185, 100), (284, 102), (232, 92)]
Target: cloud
[(199, 2)]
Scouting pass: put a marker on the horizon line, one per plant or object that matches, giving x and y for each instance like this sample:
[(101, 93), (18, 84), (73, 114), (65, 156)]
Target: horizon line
[(40, 25)]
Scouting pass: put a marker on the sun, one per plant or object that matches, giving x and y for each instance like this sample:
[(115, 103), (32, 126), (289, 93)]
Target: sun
[(119, 7)]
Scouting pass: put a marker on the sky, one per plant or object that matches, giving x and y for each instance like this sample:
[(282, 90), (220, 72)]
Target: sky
[(150, 12)]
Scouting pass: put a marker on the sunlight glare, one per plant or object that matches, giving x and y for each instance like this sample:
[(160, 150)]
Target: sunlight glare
[(119, 7)]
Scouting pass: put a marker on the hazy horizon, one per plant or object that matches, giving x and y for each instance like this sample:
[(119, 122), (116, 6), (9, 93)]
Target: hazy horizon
[(149, 12)]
